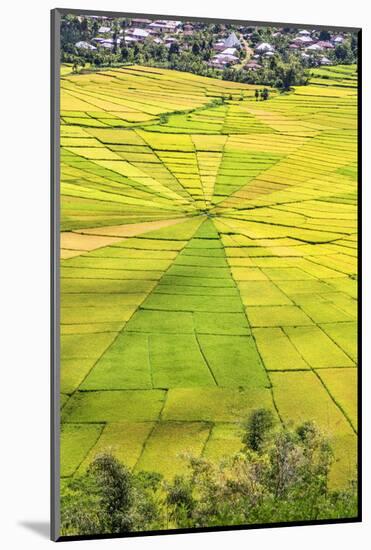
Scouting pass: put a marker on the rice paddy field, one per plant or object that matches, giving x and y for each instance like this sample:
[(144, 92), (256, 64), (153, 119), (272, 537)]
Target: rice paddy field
[(208, 264)]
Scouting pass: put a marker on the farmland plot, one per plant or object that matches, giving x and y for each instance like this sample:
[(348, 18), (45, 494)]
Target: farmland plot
[(209, 264)]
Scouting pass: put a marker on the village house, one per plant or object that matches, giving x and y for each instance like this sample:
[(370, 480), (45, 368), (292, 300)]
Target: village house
[(325, 45), (232, 41), (188, 29), (264, 47), (229, 51), (314, 48), (130, 39), (140, 23), (303, 40), (338, 40), (104, 30), (219, 46), (216, 63), (252, 66), (82, 45), (109, 43), (138, 34), (163, 26), (221, 61)]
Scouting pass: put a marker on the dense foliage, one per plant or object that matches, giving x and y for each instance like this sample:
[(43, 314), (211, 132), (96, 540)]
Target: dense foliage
[(281, 475)]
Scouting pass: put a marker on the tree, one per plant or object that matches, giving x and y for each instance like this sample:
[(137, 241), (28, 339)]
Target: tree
[(265, 94), (95, 27), (324, 35), (257, 427), (174, 48), (70, 30), (286, 482), (343, 53), (78, 62), (125, 52), (291, 73), (285, 478), (255, 38), (180, 499), (116, 489), (108, 498), (196, 48), (257, 95)]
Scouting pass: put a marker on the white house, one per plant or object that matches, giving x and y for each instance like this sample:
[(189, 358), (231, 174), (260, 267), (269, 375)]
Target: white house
[(232, 41), (130, 39), (252, 66), (139, 22), (84, 45), (229, 51), (303, 40), (219, 46), (107, 44), (314, 48), (338, 40), (139, 34), (104, 30), (164, 26), (326, 45), (221, 61), (264, 47), (325, 61), (304, 32)]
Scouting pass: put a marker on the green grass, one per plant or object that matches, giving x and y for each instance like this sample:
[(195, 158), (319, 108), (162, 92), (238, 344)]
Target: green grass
[(169, 444), (342, 385), (114, 406), (171, 322), (274, 316), (125, 365), (225, 439), (225, 324), (76, 441), (324, 354), (277, 351), (214, 404), (299, 396), (177, 361), (83, 346), (124, 440)]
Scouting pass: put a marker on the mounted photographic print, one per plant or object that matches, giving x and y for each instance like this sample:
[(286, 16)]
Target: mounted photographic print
[(205, 216)]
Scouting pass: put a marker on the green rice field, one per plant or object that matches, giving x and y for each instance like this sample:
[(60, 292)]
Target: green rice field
[(208, 264)]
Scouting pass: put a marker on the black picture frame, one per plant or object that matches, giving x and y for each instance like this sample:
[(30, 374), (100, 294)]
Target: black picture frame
[(56, 15)]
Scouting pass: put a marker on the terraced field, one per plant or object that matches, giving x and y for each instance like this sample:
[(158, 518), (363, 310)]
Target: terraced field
[(209, 261)]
